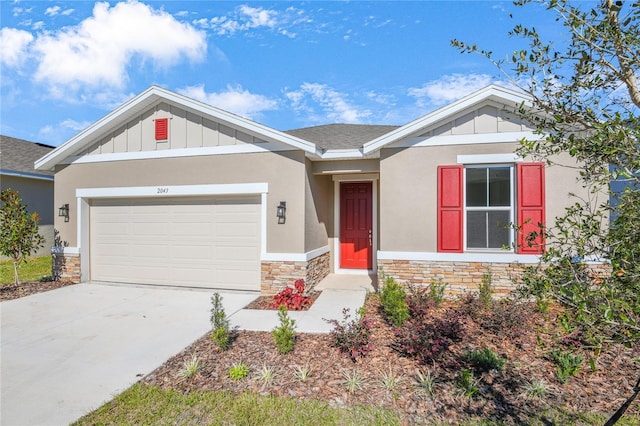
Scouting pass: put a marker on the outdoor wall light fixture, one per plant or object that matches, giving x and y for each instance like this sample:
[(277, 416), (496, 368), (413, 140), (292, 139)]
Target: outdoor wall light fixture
[(280, 212), (64, 212)]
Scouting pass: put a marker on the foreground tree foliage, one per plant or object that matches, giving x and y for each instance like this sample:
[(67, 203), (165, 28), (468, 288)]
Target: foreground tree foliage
[(586, 95), (19, 237)]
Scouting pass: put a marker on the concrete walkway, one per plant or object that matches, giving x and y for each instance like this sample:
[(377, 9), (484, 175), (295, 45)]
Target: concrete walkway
[(67, 351)]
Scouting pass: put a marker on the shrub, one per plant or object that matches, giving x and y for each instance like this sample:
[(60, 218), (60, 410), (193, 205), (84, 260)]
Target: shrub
[(421, 300), (427, 341), (352, 335), (486, 290), (219, 323), (507, 318), (568, 364), (485, 360), (190, 367), (467, 383), (292, 298), (394, 302), (284, 334), (239, 371)]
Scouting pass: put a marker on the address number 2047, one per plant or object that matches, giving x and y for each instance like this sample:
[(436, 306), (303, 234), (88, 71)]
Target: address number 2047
[(163, 190)]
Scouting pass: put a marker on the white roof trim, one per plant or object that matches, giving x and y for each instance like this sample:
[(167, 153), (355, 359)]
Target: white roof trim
[(493, 92), (150, 97)]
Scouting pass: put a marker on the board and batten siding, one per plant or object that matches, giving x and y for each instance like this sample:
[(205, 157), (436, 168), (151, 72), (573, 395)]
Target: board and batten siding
[(186, 130)]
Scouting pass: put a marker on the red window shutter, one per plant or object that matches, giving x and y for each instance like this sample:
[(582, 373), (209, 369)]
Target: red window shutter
[(531, 206), (162, 129), (450, 212)]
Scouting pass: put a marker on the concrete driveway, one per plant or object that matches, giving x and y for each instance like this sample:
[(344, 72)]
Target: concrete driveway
[(67, 351)]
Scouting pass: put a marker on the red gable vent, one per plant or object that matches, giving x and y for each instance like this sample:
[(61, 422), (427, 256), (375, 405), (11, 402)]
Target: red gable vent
[(162, 129)]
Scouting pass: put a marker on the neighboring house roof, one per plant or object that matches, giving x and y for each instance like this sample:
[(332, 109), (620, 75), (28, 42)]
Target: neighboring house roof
[(17, 158), (341, 136)]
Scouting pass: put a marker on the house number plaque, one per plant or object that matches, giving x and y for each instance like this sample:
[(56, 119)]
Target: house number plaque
[(163, 190)]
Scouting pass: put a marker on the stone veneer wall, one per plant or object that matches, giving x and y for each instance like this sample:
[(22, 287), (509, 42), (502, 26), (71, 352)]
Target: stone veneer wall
[(276, 275), (460, 277), (66, 267)]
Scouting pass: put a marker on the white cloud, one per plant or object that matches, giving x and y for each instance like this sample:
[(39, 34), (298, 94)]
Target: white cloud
[(248, 18), (74, 125), (52, 11), (97, 51), (13, 46), (67, 12), (234, 99), (334, 105), (448, 88)]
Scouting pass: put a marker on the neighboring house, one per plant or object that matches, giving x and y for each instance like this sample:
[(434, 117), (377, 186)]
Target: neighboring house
[(17, 172), (167, 190)]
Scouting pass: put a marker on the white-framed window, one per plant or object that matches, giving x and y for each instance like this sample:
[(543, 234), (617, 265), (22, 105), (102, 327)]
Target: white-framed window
[(489, 206)]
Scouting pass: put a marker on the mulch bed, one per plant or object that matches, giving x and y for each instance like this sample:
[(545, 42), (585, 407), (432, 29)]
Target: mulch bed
[(502, 394), (12, 291)]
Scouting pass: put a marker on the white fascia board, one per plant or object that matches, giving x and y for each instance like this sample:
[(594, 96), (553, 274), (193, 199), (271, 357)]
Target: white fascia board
[(460, 257), (25, 175), (174, 191), (153, 95), (175, 153), (493, 92), (339, 154)]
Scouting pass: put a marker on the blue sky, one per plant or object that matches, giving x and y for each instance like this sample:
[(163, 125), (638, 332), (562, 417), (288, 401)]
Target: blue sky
[(64, 65)]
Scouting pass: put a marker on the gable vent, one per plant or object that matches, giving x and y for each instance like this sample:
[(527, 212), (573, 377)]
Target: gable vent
[(162, 129)]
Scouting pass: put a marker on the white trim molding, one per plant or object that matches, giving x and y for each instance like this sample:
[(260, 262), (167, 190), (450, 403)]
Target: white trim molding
[(470, 139), (459, 257), (294, 257), (65, 250), (247, 148), (174, 191), (26, 175), (488, 158)]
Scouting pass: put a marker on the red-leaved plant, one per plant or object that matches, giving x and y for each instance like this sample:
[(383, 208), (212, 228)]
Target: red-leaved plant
[(292, 298)]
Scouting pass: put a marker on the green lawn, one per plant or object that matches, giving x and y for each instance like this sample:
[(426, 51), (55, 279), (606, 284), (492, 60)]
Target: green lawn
[(148, 405), (33, 269)]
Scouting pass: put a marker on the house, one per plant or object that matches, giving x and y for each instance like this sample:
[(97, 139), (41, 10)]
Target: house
[(167, 190), (35, 187)]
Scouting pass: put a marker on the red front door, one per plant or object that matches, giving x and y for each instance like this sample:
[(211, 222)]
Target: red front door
[(356, 225)]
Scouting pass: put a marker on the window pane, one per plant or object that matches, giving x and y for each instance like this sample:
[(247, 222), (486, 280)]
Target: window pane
[(476, 187), (476, 229), (499, 186), (498, 223)]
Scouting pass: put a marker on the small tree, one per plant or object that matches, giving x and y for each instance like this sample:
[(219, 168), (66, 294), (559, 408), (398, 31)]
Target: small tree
[(19, 237)]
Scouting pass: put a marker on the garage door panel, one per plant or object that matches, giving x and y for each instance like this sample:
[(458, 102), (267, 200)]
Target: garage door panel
[(183, 242)]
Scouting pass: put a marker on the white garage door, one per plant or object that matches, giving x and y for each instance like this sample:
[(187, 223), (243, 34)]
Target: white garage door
[(213, 243)]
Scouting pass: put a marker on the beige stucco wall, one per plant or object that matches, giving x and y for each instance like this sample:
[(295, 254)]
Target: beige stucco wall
[(318, 209), (37, 196), (408, 191), (283, 171)]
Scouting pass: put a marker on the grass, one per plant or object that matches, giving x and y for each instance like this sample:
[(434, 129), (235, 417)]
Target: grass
[(33, 270), (143, 404)]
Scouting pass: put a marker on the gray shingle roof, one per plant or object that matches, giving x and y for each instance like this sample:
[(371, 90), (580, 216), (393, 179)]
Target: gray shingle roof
[(341, 136), (18, 155)]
